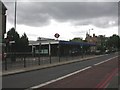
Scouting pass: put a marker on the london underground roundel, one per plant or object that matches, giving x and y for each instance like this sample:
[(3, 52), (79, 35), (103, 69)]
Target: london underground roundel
[(57, 35)]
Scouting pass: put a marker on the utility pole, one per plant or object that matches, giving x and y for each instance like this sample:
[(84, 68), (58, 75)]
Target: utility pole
[(15, 14)]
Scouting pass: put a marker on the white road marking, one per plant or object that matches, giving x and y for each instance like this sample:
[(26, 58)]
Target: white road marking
[(60, 78), (105, 61)]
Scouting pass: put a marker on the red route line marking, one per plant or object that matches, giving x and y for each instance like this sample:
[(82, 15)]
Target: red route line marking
[(102, 81), (109, 79), (105, 81)]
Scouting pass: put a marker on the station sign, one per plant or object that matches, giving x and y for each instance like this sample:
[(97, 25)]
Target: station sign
[(57, 35)]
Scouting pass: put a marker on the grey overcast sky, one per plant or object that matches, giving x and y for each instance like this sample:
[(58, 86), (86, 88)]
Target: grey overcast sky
[(47, 18)]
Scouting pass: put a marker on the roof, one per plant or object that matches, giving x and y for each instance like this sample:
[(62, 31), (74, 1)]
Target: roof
[(42, 38), (60, 42), (76, 43), (43, 42), (3, 6)]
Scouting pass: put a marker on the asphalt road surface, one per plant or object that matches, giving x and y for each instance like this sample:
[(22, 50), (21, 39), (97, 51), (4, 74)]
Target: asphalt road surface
[(98, 76), (93, 69)]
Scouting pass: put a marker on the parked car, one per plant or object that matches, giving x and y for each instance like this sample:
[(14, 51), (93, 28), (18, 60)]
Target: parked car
[(97, 52), (75, 52), (107, 51)]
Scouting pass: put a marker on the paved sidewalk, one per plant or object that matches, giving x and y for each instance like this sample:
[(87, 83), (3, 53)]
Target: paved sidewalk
[(28, 69)]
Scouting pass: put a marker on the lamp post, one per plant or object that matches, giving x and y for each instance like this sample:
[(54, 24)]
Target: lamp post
[(90, 37), (15, 14), (89, 30)]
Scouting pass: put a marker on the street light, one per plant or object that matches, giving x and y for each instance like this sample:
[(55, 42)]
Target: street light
[(89, 30), (15, 19)]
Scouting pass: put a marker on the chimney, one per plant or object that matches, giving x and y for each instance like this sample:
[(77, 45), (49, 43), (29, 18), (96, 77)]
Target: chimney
[(93, 35)]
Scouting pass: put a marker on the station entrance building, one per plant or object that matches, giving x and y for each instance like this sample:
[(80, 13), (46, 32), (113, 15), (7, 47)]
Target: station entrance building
[(58, 47)]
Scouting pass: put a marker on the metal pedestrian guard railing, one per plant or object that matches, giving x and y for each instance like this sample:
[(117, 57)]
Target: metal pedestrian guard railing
[(14, 61)]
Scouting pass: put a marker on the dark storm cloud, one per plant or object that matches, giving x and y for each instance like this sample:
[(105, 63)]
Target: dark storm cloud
[(102, 22), (39, 13)]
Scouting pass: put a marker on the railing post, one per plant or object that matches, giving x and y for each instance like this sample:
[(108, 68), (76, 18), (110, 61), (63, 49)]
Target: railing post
[(50, 53), (5, 63), (24, 62), (39, 54), (82, 50), (39, 60), (59, 52)]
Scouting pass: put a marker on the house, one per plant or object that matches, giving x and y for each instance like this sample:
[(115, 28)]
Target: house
[(93, 40)]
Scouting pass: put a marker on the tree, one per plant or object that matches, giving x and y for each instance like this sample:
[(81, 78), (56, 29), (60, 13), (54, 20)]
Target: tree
[(84, 48), (77, 39), (12, 35), (101, 43), (20, 43), (113, 42), (39, 39), (24, 43), (12, 40), (16, 44)]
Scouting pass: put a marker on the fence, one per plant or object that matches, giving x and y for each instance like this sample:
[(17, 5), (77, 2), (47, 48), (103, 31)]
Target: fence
[(14, 61)]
